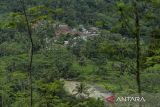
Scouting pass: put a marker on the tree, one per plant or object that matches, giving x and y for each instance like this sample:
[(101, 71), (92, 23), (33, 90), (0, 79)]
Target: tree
[(137, 35), (30, 51), (81, 90)]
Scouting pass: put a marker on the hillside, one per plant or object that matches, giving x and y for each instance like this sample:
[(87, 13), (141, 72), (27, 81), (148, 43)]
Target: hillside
[(111, 46)]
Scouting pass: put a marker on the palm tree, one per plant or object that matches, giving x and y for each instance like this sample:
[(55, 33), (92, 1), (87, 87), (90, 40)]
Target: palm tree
[(81, 90)]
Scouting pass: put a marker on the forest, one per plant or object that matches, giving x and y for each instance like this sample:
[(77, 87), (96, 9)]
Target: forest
[(79, 53)]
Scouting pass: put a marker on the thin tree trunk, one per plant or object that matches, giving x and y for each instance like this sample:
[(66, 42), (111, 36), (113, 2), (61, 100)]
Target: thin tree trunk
[(2, 95), (30, 51), (137, 34)]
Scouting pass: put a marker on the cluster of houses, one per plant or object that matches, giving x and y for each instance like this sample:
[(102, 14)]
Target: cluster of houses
[(79, 32), (64, 29)]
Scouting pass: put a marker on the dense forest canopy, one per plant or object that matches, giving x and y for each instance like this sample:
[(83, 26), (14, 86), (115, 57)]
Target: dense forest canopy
[(110, 44)]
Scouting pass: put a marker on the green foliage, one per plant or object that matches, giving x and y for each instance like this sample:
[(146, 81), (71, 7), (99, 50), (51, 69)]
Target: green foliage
[(107, 60), (90, 103), (13, 48)]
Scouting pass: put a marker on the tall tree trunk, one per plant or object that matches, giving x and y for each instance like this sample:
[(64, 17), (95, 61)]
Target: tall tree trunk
[(30, 51), (2, 96), (137, 34)]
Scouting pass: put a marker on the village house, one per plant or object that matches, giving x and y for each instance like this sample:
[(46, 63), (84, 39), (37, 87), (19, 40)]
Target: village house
[(62, 29), (93, 31)]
